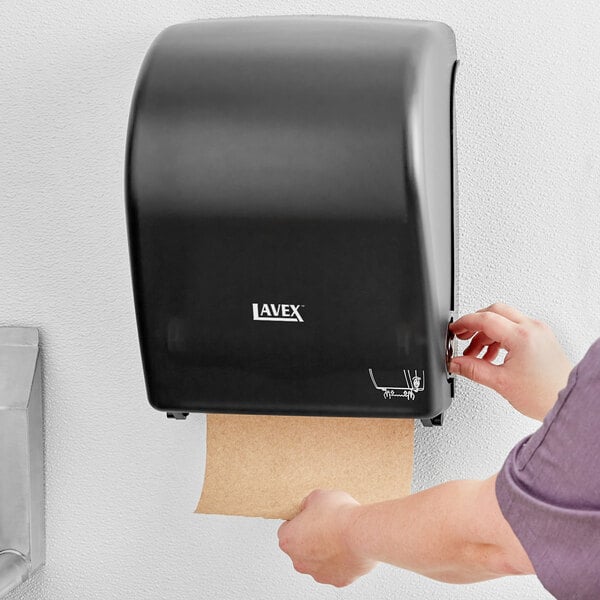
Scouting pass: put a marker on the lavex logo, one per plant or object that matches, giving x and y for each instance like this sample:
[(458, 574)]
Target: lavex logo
[(277, 312)]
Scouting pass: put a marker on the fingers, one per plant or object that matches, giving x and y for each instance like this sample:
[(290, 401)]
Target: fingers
[(492, 352), (476, 369), (495, 327), (478, 343), (466, 328), (305, 500), (283, 540), (506, 311)]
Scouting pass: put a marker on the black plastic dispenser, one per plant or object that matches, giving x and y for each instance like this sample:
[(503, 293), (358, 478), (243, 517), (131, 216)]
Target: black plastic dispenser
[(289, 189)]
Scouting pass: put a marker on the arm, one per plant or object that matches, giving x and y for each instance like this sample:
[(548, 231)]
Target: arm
[(453, 532)]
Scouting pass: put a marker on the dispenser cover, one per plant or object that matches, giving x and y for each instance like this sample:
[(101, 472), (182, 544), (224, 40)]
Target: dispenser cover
[(289, 191)]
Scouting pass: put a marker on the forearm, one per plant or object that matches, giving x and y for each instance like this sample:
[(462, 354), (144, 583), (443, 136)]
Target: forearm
[(453, 532)]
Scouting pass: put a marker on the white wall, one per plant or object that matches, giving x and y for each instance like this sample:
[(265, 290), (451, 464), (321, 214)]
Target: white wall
[(122, 481)]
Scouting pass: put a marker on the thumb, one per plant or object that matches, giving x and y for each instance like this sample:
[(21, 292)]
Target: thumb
[(476, 369), (309, 498)]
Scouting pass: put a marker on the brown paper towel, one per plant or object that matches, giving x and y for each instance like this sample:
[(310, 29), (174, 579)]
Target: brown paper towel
[(265, 465)]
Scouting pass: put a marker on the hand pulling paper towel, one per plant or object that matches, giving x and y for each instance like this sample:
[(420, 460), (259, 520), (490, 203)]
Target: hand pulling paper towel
[(264, 466)]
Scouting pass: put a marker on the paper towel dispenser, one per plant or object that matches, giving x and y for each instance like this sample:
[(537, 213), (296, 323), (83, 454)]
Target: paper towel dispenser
[(289, 191)]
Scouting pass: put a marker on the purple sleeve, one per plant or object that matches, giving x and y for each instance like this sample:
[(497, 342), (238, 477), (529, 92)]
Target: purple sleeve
[(549, 488)]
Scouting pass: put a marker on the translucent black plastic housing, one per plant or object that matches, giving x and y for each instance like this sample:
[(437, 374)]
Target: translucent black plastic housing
[(289, 190)]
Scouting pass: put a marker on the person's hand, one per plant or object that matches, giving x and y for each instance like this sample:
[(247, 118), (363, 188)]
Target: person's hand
[(316, 539), (535, 367)]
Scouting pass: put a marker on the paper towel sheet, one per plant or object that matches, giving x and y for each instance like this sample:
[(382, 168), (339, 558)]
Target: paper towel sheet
[(265, 465)]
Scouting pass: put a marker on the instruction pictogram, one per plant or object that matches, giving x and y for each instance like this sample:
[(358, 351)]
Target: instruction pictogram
[(414, 383)]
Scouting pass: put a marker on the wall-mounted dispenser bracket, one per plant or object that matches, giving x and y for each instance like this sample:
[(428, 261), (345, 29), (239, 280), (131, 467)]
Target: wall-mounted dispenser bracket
[(22, 530)]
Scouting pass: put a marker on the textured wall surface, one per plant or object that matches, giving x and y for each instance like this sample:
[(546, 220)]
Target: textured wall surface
[(121, 480)]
